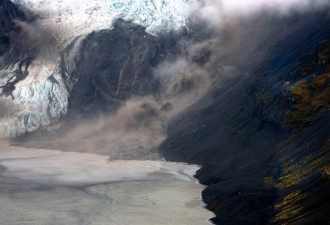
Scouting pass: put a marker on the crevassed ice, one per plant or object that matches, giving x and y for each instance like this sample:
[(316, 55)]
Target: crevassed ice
[(42, 96), (38, 99), (84, 16)]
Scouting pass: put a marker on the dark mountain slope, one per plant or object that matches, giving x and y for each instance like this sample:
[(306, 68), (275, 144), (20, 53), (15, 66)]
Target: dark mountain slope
[(114, 65), (8, 13), (15, 44), (263, 141)]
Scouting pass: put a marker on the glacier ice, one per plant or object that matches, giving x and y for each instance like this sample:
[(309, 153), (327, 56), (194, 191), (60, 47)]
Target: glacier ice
[(42, 97), (83, 16), (38, 100)]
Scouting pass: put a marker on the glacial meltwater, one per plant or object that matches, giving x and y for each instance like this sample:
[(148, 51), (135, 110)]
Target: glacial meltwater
[(53, 187)]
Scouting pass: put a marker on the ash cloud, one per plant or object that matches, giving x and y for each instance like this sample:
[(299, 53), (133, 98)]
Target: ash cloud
[(32, 35), (130, 133), (140, 125), (182, 83), (37, 39), (6, 107), (235, 38), (4, 143), (136, 129)]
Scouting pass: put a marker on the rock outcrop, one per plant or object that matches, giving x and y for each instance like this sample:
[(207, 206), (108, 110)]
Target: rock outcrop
[(263, 141)]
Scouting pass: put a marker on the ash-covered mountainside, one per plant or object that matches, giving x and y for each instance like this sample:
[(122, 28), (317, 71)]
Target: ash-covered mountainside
[(115, 65), (8, 12), (10, 47), (264, 140)]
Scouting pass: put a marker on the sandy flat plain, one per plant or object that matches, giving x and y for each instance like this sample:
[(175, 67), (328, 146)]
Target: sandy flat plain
[(53, 187)]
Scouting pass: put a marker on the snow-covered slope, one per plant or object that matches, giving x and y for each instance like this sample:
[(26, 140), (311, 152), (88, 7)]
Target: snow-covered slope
[(38, 99), (77, 17), (42, 96)]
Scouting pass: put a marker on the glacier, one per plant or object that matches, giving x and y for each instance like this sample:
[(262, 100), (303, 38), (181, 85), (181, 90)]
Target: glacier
[(42, 97), (38, 100), (72, 18)]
